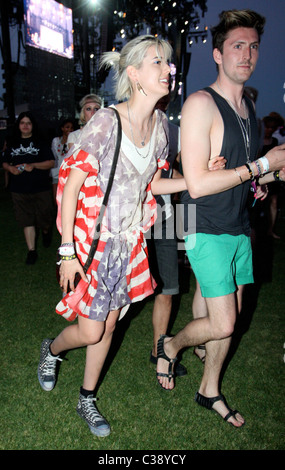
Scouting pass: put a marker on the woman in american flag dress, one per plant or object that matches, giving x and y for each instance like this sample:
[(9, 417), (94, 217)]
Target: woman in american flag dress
[(119, 273)]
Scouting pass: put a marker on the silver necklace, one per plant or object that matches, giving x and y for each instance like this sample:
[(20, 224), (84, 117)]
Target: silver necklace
[(143, 140), (245, 129)]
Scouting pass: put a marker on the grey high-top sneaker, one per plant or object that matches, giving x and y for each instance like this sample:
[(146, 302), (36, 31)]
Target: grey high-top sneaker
[(87, 410), (47, 366)]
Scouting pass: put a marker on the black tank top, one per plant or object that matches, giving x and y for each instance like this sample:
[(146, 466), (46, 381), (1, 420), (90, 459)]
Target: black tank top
[(225, 212)]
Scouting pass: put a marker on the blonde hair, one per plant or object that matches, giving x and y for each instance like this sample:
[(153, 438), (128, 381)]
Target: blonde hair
[(133, 54), (87, 99)]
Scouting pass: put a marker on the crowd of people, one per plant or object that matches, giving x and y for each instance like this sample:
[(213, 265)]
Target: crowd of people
[(221, 164)]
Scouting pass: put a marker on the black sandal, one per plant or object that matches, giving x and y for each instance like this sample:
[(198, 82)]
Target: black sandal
[(161, 355), (209, 402), (202, 347)]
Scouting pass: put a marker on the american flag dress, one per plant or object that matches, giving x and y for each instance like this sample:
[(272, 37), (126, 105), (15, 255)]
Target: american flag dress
[(119, 273)]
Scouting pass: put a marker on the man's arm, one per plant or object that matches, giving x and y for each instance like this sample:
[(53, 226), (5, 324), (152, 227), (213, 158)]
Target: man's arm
[(46, 165), (201, 139)]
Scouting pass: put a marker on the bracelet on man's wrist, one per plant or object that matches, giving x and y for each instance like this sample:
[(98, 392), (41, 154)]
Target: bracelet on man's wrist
[(238, 173), (258, 167), (251, 174), (265, 164)]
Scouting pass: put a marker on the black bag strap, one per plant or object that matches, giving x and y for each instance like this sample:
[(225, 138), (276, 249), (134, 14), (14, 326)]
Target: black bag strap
[(105, 200)]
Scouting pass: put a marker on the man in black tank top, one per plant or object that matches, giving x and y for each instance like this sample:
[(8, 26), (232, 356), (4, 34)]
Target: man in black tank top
[(219, 120)]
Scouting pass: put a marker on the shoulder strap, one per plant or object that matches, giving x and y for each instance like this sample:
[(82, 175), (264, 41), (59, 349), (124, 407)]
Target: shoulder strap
[(105, 200)]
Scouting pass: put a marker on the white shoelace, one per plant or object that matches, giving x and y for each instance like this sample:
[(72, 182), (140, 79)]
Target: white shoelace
[(49, 364), (91, 408)]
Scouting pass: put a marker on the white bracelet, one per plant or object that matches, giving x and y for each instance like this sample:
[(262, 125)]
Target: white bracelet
[(66, 250), (265, 164)]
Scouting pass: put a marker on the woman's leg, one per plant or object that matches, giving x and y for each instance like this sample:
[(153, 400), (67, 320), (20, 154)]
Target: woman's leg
[(77, 335), (97, 336), (96, 353)]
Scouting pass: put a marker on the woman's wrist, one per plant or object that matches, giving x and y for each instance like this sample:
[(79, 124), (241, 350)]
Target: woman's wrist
[(66, 249), (68, 258)]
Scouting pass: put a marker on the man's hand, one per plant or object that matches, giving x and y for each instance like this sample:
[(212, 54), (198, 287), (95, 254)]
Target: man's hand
[(276, 158)]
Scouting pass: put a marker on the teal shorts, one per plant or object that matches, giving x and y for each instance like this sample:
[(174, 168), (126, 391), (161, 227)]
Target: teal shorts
[(220, 262)]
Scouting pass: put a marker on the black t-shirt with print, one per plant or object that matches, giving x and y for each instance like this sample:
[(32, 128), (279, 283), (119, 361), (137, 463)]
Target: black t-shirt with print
[(29, 150)]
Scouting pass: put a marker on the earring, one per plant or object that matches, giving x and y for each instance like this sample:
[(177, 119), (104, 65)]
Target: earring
[(140, 89)]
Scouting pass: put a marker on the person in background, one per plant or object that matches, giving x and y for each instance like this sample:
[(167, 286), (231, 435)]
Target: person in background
[(28, 160), (279, 133), (270, 124), (59, 149), (162, 248), (89, 105)]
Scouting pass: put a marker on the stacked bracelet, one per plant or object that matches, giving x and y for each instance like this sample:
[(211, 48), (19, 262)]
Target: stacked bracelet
[(258, 167), (251, 174), (66, 249), (265, 164), (68, 258)]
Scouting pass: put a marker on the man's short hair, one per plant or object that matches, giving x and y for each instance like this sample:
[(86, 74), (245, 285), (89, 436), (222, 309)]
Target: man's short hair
[(232, 19)]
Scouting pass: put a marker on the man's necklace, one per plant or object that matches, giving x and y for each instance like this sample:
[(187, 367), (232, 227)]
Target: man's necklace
[(245, 129), (143, 139)]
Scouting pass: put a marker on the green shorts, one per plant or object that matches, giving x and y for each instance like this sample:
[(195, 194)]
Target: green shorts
[(220, 262)]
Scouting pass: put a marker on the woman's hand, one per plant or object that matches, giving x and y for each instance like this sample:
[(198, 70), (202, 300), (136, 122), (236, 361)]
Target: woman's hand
[(217, 163), (67, 272), (261, 192)]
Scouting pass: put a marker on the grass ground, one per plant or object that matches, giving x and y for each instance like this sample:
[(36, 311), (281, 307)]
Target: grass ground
[(142, 415)]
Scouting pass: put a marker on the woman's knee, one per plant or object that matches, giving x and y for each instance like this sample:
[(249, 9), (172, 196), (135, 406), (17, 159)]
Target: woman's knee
[(111, 322), (91, 332), (91, 337)]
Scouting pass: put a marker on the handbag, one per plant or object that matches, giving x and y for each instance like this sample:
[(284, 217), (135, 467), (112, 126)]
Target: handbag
[(102, 209)]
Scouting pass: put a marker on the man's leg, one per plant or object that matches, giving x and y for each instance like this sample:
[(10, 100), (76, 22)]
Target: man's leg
[(199, 310), (216, 352), (163, 261), (160, 318), (30, 237), (218, 325), (215, 331)]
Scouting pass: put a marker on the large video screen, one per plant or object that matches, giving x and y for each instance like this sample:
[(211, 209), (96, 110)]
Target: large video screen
[(49, 27)]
